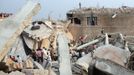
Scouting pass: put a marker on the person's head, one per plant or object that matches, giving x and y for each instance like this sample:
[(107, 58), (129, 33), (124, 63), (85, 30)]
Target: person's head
[(10, 56), (39, 49), (33, 50), (49, 49), (13, 56), (44, 48), (18, 56)]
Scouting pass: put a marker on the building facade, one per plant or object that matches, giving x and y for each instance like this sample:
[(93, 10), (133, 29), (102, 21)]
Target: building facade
[(91, 21)]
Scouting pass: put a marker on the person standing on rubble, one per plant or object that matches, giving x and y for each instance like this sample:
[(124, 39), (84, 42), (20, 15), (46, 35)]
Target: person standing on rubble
[(94, 46), (33, 55), (82, 39), (80, 53), (74, 55), (48, 60), (102, 31), (19, 62), (39, 54), (45, 52)]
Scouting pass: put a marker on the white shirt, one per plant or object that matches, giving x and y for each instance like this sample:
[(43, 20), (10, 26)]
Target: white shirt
[(45, 53), (19, 59)]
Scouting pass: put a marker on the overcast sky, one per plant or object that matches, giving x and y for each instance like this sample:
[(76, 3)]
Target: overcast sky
[(58, 8)]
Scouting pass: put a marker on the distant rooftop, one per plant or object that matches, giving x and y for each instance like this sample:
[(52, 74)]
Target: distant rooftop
[(123, 9), (4, 15)]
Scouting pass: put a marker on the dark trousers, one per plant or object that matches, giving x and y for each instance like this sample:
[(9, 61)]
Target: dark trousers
[(40, 59)]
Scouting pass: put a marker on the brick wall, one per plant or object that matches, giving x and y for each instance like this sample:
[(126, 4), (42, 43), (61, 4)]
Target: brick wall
[(123, 23)]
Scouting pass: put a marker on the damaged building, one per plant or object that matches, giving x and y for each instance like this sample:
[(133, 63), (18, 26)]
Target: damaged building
[(93, 21), (107, 48)]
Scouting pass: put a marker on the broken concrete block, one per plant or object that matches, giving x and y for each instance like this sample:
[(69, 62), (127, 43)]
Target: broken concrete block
[(35, 72), (112, 53), (3, 67), (16, 73), (3, 73), (85, 61), (107, 67), (28, 64), (13, 26)]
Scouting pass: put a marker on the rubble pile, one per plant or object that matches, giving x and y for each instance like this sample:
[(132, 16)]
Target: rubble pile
[(48, 48), (12, 73)]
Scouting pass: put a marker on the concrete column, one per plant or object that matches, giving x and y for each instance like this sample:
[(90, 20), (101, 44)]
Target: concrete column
[(64, 56)]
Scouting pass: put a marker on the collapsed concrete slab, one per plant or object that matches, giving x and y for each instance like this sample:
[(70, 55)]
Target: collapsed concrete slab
[(12, 27), (39, 66), (64, 57), (3, 73), (35, 72), (16, 73), (12, 73), (85, 61), (107, 67), (112, 53)]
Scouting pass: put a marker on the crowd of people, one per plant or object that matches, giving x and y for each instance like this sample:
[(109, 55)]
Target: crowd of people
[(42, 56), (14, 63), (4, 15), (45, 57)]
